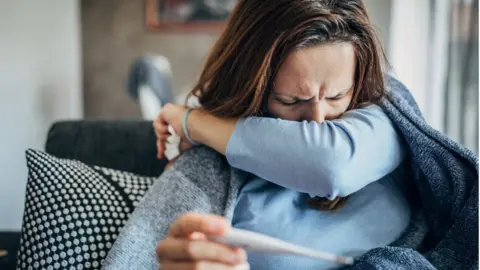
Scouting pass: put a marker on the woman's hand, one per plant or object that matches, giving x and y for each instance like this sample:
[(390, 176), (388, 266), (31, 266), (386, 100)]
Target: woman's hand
[(170, 115), (187, 247), (203, 128)]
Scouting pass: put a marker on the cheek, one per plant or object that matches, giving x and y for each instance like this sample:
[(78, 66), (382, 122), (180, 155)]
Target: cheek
[(344, 104), (347, 100), (339, 108)]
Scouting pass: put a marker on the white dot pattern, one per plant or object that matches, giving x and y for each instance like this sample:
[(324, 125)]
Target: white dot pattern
[(133, 185), (74, 212)]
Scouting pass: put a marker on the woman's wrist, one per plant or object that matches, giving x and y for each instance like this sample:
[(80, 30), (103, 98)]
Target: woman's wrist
[(194, 125), (186, 129), (209, 130)]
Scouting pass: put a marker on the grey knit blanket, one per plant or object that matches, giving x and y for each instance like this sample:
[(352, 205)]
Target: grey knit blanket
[(443, 233)]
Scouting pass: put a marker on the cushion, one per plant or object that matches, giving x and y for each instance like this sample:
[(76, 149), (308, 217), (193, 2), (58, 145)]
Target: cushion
[(74, 212), (122, 145)]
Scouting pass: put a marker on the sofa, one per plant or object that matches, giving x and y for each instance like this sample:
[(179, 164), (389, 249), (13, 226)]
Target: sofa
[(82, 189), (122, 145)]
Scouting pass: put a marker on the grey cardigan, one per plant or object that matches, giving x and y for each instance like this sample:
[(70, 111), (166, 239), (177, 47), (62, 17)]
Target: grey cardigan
[(443, 233)]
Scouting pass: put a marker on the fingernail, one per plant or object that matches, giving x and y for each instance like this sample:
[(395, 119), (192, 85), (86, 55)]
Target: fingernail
[(238, 256), (241, 254)]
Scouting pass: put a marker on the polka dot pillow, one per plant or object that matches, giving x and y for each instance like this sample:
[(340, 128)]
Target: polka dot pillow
[(74, 212)]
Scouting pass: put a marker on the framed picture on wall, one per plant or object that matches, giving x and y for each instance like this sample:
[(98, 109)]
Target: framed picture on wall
[(198, 15)]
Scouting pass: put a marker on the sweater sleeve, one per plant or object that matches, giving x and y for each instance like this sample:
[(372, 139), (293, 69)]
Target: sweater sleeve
[(330, 159)]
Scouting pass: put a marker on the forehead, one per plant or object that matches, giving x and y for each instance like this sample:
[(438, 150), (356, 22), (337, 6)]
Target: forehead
[(330, 67)]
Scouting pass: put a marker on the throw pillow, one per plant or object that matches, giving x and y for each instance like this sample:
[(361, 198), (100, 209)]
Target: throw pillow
[(74, 212)]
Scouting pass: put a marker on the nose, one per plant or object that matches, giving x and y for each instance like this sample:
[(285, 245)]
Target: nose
[(318, 112)]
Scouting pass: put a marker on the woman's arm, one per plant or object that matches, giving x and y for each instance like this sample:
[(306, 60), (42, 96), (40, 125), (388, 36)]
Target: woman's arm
[(210, 130), (199, 181), (334, 158)]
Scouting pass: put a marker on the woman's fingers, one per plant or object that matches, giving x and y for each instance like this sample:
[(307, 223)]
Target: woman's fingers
[(210, 225), (160, 130), (187, 246), (181, 249), (195, 265), (197, 236), (163, 137), (160, 126), (160, 149)]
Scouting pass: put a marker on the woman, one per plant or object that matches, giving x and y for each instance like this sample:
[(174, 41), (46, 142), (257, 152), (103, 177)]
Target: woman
[(328, 51), (249, 144), (321, 74)]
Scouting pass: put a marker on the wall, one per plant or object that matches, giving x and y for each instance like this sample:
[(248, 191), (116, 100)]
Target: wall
[(410, 39), (380, 12), (419, 54), (114, 35), (40, 81)]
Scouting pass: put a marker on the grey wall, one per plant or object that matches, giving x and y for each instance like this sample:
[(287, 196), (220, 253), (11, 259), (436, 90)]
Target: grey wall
[(40, 82), (380, 15), (114, 34)]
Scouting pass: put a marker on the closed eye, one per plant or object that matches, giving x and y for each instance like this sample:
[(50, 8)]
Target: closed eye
[(336, 97), (339, 96), (288, 102)]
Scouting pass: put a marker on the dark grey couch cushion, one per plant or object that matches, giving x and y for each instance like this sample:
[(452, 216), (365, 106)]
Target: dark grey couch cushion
[(122, 145)]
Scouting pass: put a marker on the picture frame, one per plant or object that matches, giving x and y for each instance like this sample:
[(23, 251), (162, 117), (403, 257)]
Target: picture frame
[(188, 15)]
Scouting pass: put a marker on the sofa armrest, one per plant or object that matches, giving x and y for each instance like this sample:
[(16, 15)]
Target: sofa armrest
[(122, 145)]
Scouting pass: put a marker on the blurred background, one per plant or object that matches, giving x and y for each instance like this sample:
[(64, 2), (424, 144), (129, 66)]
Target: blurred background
[(72, 59)]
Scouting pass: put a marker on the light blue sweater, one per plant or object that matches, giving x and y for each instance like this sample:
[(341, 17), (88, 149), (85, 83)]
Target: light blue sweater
[(335, 158), (443, 233)]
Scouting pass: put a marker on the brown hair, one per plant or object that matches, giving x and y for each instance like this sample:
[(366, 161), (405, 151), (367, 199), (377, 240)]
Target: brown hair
[(260, 35)]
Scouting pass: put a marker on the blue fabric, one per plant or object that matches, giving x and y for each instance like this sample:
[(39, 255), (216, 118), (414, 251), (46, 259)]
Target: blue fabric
[(445, 175), (373, 217), (334, 158), (144, 71), (443, 232)]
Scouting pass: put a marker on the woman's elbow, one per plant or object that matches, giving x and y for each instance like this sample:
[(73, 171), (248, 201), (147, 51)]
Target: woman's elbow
[(335, 179), (346, 179), (338, 185)]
